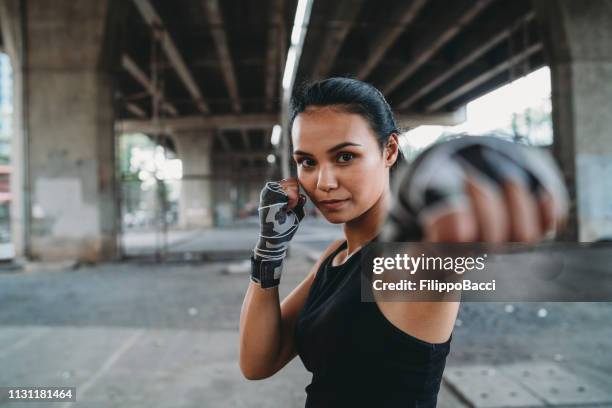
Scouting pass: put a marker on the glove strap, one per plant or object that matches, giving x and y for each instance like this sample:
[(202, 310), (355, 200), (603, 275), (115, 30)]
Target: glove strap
[(266, 273)]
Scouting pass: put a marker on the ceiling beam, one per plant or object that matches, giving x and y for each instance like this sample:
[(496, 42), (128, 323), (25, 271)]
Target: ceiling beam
[(227, 155), (474, 50), (266, 136), (151, 17), (266, 121), (223, 140), (231, 121), (406, 13), (244, 135), (135, 110), (342, 22), (460, 13), (483, 77), (141, 77), (272, 52), (215, 20), (412, 120)]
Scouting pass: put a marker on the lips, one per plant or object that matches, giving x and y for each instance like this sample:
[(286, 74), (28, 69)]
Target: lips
[(333, 204), (330, 201)]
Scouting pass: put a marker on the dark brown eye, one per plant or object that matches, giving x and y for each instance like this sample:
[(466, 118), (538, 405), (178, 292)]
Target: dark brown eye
[(345, 157), (305, 162)]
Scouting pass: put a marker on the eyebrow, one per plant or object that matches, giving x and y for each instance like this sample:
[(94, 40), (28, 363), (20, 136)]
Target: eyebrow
[(333, 149)]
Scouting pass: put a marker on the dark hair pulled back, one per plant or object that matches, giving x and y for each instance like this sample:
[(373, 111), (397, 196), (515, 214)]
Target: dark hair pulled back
[(352, 96)]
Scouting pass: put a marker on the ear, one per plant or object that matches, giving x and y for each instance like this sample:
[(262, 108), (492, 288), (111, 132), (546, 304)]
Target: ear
[(391, 150)]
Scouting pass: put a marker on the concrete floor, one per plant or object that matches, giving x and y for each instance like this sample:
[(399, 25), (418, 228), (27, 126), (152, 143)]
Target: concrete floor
[(241, 236), (135, 335), (138, 334)]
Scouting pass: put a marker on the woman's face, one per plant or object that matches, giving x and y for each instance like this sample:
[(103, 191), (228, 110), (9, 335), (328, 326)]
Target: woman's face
[(340, 164)]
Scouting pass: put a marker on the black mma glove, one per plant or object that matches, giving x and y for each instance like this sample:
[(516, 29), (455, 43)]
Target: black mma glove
[(278, 225)]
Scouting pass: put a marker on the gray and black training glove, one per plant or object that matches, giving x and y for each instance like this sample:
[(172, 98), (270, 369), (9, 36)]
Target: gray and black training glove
[(436, 180), (278, 225)]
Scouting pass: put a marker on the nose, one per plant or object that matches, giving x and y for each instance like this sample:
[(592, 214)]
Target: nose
[(327, 179)]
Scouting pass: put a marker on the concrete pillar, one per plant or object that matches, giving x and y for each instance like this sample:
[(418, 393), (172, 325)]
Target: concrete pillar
[(11, 26), (196, 206), (578, 36), (65, 161)]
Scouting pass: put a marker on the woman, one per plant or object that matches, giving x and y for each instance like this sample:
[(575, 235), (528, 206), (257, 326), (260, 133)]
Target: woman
[(345, 144)]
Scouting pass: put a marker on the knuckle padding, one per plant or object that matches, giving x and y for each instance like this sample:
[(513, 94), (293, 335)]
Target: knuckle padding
[(439, 174)]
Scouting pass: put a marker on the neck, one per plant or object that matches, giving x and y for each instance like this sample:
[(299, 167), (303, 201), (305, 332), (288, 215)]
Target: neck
[(365, 227)]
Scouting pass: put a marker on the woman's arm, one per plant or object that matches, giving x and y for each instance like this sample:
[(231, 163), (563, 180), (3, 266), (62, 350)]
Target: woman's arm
[(266, 326), (488, 191)]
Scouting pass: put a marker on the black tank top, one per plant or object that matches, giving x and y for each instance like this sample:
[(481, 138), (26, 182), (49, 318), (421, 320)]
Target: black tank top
[(357, 357)]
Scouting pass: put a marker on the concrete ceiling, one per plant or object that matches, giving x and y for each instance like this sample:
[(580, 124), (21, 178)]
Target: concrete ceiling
[(222, 58), (220, 62)]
